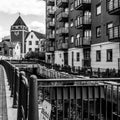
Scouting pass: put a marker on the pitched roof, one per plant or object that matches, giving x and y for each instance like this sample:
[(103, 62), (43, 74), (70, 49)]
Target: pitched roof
[(39, 35), (19, 21)]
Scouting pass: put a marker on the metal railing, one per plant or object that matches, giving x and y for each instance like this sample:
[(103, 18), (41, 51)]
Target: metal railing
[(73, 98)]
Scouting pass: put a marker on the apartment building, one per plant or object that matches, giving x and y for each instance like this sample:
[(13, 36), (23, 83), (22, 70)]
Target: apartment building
[(71, 34), (105, 46), (85, 33), (50, 30)]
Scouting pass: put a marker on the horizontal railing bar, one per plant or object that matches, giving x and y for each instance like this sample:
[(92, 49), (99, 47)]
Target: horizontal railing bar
[(77, 79)]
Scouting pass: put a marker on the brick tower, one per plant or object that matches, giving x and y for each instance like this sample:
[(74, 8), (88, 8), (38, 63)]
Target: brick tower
[(18, 33)]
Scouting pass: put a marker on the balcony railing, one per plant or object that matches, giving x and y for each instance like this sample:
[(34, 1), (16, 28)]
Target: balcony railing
[(114, 33), (83, 4), (51, 36), (52, 49), (85, 22), (62, 3), (83, 41), (51, 12), (63, 31), (63, 17), (51, 24), (113, 7), (50, 2)]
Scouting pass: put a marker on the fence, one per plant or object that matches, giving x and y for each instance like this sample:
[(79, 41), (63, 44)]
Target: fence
[(70, 99)]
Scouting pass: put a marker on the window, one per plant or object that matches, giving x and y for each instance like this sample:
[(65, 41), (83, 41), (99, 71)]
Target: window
[(98, 9), (31, 36), (36, 42), (71, 6), (0, 49), (98, 31), (30, 49), (30, 42), (5, 52), (78, 56), (98, 55), (72, 39), (109, 25), (109, 55), (71, 23)]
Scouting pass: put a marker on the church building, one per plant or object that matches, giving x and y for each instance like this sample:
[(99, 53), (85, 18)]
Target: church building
[(18, 33)]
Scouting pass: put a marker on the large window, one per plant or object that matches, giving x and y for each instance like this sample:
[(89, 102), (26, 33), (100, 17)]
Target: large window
[(30, 42), (109, 25), (109, 55), (36, 42), (77, 56), (98, 55), (98, 9), (71, 7), (72, 39), (98, 31)]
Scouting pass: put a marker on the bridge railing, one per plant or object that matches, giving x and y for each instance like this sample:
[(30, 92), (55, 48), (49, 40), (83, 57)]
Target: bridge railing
[(91, 99)]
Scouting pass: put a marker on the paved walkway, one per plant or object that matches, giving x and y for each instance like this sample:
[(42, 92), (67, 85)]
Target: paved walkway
[(6, 110)]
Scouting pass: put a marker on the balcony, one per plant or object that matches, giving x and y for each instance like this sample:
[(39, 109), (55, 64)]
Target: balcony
[(50, 2), (51, 36), (83, 41), (51, 12), (63, 46), (83, 5), (51, 25), (52, 49), (114, 34), (63, 17), (63, 31), (62, 3), (84, 22), (113, 7)]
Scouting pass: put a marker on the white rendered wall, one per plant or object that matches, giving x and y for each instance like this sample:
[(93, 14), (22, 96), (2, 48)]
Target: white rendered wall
[(103, 47), (75, 50)]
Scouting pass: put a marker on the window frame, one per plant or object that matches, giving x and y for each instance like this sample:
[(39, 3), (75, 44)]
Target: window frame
[(30, 42), (97, 6), (77, 56), (98, 55), (97, 35), (109, 51)]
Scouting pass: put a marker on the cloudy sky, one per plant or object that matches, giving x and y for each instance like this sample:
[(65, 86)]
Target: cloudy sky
[(32, 12)]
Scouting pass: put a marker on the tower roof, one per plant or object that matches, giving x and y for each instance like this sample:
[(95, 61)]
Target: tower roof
[(19, 21)]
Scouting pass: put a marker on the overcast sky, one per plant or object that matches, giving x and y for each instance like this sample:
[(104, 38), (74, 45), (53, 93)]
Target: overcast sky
[(32, 12)]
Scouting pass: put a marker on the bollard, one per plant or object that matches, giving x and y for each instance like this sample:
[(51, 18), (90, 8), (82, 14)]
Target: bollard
[(16, 86), (33, 99)]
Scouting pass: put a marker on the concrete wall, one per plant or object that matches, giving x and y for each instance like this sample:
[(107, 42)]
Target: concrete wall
[(103, 47), (75, 50), (59, 57)]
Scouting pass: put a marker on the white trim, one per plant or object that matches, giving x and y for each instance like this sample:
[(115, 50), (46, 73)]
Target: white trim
[(104, 43)]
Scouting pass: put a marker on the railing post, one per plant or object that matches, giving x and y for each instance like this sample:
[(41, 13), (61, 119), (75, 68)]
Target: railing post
[(33, 98), (20, 99), (15, 87), (12, 80)]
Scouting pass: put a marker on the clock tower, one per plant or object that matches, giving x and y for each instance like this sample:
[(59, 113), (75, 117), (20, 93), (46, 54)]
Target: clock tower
[(18, 33)]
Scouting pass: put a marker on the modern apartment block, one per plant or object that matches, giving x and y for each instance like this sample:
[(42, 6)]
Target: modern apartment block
[(71, 34), (105, 46), (85, 33), (50, 30)]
